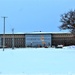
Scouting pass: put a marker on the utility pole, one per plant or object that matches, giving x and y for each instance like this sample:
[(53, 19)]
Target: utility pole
[(4, 32), (12, 38)]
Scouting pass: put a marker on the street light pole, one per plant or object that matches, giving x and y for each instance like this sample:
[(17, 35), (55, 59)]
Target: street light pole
[(4, 32), (13, 38)]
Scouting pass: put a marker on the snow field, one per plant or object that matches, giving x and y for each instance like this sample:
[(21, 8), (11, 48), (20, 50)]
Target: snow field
[(37, 61)]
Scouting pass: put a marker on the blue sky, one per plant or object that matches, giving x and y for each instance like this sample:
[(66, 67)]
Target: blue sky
[(33, 15)]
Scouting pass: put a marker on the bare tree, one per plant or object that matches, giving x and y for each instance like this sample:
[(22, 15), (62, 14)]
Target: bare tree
[(68, 21)]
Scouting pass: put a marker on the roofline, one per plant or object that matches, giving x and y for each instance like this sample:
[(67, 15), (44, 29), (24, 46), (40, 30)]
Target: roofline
[(28, 33), (48, 33)]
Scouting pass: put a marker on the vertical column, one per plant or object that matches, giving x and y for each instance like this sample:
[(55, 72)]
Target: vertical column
[(51, 40), (13, 38), (0, 41)]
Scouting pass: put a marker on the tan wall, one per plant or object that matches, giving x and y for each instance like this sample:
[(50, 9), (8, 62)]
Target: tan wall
[(19, 40), (65, 39)]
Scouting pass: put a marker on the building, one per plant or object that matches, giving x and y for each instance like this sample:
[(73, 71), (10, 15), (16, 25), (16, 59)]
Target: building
[(19, 40), (37, 39), (65, 39)]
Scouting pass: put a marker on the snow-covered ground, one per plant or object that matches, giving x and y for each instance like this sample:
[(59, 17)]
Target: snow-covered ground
[(38, 61)]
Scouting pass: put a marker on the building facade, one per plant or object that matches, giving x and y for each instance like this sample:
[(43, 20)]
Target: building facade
[(65, 39), (37, 39), (18, 40)]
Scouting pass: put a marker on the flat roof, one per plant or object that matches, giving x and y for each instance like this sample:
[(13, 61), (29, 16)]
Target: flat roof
[(40, 33), (48, 33)]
